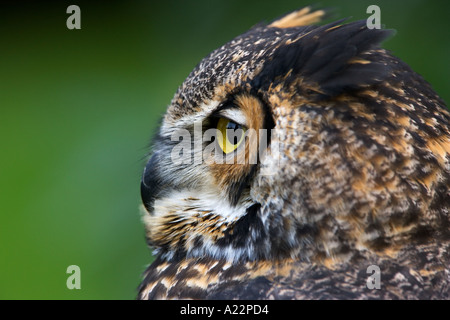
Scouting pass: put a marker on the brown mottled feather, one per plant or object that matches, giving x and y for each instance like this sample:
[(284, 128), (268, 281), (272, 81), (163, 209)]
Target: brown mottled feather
[(357, 173)]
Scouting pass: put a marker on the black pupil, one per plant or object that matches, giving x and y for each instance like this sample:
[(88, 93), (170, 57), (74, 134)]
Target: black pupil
[(234, 135)]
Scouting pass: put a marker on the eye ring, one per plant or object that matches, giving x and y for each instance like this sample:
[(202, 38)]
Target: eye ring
[(232, 135)]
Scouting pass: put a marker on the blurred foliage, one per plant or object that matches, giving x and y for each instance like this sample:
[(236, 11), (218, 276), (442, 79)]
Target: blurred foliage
[(78, 109)]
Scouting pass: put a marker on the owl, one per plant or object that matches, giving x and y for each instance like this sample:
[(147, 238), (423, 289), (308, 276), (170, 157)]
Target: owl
[(300, 161)]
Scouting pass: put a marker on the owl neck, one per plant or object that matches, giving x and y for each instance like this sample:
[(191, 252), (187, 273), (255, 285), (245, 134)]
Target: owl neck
[(252, 235), (259, 234)]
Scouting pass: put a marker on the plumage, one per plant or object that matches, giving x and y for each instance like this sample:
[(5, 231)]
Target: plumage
[(345, 165)]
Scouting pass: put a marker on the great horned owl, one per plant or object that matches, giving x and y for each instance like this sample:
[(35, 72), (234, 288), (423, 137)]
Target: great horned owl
[(348, 171)]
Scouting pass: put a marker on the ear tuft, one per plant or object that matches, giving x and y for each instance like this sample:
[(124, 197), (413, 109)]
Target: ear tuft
[(303, 17), (332, 58)]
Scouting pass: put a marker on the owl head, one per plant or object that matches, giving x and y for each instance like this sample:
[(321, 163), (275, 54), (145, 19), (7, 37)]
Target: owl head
[(299, 141)]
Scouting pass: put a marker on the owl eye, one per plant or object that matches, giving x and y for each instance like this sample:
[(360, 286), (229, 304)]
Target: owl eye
[(232, 135)]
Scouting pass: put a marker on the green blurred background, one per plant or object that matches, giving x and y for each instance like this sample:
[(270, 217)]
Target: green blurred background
[(78, 108)]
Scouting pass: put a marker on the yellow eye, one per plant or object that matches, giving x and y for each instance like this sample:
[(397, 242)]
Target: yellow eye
[(232, 135)]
